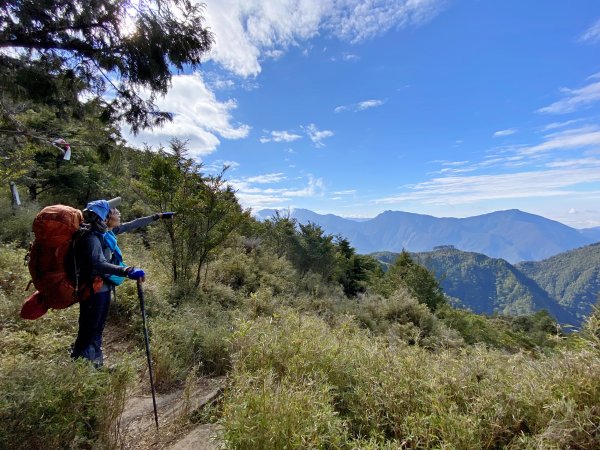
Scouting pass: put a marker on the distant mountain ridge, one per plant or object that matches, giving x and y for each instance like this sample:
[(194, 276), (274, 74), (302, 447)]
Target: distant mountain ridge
[(490, 285), (512, 235), (573, 277), (566, 285)]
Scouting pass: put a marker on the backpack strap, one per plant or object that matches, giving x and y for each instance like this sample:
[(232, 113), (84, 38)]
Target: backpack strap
[(79, 234)]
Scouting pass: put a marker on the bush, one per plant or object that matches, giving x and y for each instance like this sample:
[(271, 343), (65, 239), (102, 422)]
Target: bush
[(59, 404), (16, 224), (402, 317), (194, 336), (269, 412), (249, 271), (469, 399)]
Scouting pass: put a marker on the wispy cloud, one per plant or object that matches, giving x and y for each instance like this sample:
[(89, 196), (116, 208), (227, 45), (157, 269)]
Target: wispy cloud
[(567, 140), (316, 135), (255, 27), (360, 106), (267, 178), (528, 184), (279, 136), (199, 118), (556, 125), (346, 192), (562, 164), (257, 197), (274, 54), (217, 166), (506, 132), (574, 99), (592, 34)]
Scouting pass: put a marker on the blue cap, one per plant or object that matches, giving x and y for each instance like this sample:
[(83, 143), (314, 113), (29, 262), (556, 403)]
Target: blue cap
[(100, 207)]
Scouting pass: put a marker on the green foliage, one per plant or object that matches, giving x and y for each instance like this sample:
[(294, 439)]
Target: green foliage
[(487, 285), (248, 271), (207, 211), (72, 47), (16, 222), (193, 337), (267, 412), (401, 318), (416, 278), (591, 328), (59, 404), (354, 272), (383, 394), (573, 277)]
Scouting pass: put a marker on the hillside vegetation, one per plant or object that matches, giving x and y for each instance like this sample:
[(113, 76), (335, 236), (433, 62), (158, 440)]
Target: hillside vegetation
[(321, 348), (318, 346), (566, 285), (573, 277)]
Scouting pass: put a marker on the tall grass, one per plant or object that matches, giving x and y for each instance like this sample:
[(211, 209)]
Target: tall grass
[(59, 404), (403, 395)]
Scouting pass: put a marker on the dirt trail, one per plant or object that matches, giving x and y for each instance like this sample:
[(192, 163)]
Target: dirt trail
[(137, 428)]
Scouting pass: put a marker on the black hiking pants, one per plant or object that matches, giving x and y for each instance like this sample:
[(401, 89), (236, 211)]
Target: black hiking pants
[(92, 317)]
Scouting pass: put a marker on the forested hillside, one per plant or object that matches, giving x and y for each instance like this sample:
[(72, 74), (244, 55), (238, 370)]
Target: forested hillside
[(488, 285), (573, 278), (313, 344), (565, 285)]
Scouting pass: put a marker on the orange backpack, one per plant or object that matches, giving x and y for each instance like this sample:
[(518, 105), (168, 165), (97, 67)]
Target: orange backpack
[(55, 228)]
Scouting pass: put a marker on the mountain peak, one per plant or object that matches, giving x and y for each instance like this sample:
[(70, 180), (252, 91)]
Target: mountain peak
[(512, 234)]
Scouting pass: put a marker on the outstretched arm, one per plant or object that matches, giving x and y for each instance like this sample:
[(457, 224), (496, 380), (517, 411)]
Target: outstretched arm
[(141, 222), (133, 225)]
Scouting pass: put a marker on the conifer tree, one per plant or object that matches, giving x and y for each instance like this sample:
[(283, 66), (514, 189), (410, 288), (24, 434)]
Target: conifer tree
[(62, 61)]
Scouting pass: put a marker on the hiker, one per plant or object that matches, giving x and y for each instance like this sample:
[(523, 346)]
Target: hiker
[(97, 254)]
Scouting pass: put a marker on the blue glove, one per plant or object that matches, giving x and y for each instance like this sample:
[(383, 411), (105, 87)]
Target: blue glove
[(135, 273), (167, 215)]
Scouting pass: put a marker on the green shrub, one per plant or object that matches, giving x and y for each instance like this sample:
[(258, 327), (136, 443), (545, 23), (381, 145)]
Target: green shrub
[(384, 394), (401, 317), (16, 223), (59, 404), (269, 412), (194, 336), (249, 271)]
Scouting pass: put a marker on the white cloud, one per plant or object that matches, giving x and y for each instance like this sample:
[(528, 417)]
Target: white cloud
[(266, 178), (274, 54), (347, 192), (574, 99), (592, 34), (556, 125), (503, 133), (316, 135), (568, 140), (360, 106), (456, 190), (257, 197), (279, 136), (582, 162), (198, 117), (217, 166), (246, 29)]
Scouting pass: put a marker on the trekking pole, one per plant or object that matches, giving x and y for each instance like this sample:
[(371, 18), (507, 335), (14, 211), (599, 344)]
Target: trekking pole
[(141, 296)]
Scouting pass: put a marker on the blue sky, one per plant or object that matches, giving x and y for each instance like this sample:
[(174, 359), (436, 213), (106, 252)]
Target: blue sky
[(442, 107)]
